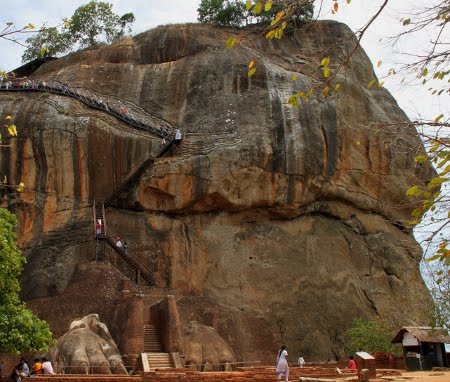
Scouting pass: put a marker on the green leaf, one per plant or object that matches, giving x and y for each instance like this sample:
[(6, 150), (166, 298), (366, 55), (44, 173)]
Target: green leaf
[(421, 158), (271, 34), (44, 51), (325, 61), (248, 5), (406, 22), (230, 42), (326, 72), (12, 130), (414, 191), (279, 33), (293, 101), (438, 118), (371, 83), (258, 8), (432, 258), (268, 6), (251, 72), (416, 213), (336, 87), (435, 182), (325, 91)]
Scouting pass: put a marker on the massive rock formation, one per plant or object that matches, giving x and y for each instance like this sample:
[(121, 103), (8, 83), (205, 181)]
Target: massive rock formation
[(288, 222)]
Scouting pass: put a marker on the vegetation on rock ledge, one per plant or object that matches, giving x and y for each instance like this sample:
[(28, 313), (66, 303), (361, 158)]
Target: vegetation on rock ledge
[(90, 25)]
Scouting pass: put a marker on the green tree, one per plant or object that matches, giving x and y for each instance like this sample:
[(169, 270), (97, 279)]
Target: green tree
[(300, 13), (91, 25), (96, 21), (371, 336), (48, 42), (20, 330), (221, 13), (239, 13)]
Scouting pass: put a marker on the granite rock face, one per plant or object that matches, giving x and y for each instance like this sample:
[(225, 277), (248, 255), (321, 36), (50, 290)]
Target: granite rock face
[(296, 217)]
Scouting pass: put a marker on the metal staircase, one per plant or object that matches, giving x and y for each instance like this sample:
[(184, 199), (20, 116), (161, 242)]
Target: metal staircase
[(129, 184), (134, 262), (126, 111), (132, 115), (99, 214)]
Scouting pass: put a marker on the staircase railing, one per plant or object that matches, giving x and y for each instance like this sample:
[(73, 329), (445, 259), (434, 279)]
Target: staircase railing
[(130, 114), (123, 110), (132, 180), (133, 261), (99, 214)]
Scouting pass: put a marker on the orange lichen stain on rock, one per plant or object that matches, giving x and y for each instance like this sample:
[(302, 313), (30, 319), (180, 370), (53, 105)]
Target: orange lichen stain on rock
[(274, 181), (81, 168), (160, 223), (28, 165), (56, 213), (49, 214), (26, 218)]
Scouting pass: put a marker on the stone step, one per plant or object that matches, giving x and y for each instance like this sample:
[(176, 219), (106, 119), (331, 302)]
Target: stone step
[(159, 360)]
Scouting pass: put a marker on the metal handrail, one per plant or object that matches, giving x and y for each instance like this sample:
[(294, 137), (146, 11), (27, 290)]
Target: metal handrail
[(121, 109)]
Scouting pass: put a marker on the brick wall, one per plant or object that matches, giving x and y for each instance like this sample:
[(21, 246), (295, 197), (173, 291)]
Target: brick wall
[(98, 288)]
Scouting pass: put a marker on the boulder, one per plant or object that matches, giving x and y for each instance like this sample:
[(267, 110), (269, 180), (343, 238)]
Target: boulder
[(292, 217)]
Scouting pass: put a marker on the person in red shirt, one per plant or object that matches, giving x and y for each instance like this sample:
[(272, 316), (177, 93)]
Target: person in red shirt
[(352, 364)]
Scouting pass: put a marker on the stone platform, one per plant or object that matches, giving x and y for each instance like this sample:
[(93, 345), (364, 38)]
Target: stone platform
[(244, 374)]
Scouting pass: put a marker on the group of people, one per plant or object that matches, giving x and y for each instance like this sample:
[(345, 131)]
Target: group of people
[(123, 245), (110, 107), (282, 364), (42, 366)]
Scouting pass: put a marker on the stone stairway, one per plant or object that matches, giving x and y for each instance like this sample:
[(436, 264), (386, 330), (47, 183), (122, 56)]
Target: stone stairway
[(153, 350), (152, 342), (160, 360)]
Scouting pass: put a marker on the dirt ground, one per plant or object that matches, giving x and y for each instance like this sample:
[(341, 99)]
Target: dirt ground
[(421, 376)]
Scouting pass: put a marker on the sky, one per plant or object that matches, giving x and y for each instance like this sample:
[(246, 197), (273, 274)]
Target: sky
[(151, 13)]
